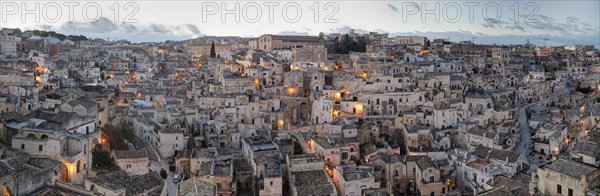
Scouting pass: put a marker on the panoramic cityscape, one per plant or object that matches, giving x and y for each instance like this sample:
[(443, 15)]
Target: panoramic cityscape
[(300, 104)]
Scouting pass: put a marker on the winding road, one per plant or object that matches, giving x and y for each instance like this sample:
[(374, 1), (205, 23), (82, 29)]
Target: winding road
[(523, 145)]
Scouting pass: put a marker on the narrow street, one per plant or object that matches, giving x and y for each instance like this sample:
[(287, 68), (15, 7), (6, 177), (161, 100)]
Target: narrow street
[(525, 134), (170, 185), (163, 163), (523, 146)]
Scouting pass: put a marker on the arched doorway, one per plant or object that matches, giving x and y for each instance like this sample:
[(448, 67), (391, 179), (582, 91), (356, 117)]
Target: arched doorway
[(65, 174), (304, 111)]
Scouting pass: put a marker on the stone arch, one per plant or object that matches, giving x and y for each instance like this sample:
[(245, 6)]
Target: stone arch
[(31, 135), (315, 86), (342, 88), (44, 136)]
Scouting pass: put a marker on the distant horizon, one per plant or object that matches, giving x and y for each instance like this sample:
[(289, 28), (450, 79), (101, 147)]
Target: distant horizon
[(490, 22), (533, 41)]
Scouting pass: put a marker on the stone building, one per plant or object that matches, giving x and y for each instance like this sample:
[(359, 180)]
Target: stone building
[(307, 177), (63, 136), (134, 162), (119, 183), (564, 177)]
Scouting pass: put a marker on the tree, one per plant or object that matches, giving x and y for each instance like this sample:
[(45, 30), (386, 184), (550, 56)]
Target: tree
[(163, 173), (213, 54), (360, 45), (120, 134), (359, 122), (101, 161), (77, 37), (348, 44)]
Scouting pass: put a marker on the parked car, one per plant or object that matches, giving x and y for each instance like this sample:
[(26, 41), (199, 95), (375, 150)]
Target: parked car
[(171, 166), (176, 178)]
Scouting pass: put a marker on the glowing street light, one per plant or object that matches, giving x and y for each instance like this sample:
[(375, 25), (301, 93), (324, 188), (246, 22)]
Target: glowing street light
[(291, 90)]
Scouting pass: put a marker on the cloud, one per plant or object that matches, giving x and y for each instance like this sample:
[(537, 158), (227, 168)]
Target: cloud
[(193, 28), (159, 28), (102, 25), (293, 33), (571, 25), (412, 4), (347, 29), (516, 27), (134, 32), (392, 7), (129, 27)]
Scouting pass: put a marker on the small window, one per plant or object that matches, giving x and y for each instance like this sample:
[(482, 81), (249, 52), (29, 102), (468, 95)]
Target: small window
[(558, 188), (41, 147), (22, 146)]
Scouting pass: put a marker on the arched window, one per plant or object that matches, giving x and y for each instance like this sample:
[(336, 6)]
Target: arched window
[(78, 166)]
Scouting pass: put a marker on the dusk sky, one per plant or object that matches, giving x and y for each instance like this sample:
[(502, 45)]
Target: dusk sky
[(572, 22)]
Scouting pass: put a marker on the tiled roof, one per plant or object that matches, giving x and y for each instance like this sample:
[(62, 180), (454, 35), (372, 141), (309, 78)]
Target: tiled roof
[(130, 154), (196, 187), (311, 183), (571, 168), (133, 185), (501, 155)]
